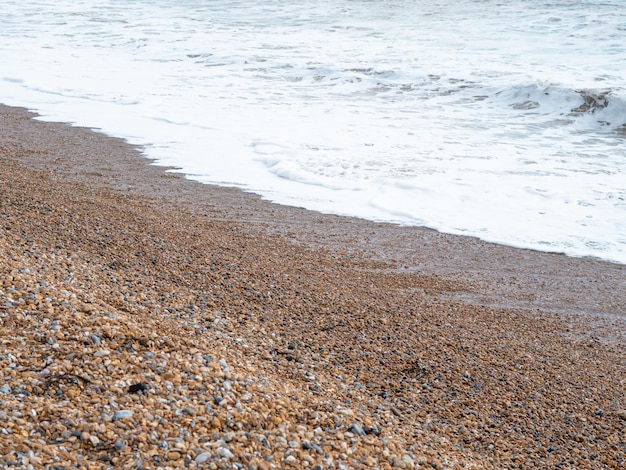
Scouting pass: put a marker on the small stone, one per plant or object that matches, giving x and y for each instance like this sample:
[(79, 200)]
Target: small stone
[(96, 339), (356, 429), (397, 462), (101, 353), (86, 308), (122, 414), (203, 457), (5, 389), (318, 449), (224, 452), (138, 387), (375, 430), (120, 445)]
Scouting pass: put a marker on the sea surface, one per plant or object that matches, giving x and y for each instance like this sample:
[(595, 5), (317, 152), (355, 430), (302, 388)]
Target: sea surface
[(500, 120)]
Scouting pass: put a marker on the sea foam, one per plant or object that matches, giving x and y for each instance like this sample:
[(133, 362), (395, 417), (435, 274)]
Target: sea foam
[(501, 121)]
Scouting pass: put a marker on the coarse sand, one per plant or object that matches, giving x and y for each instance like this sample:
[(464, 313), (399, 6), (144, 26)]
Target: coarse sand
[(149, 321)]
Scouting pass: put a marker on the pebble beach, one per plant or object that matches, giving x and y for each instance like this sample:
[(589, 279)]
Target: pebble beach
[(149, 321)]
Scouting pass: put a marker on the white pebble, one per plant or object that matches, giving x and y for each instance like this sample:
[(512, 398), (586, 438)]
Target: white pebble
[(203, 457), (224, 452)]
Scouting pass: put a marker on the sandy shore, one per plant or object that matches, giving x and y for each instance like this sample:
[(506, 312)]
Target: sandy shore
[(254, 335)]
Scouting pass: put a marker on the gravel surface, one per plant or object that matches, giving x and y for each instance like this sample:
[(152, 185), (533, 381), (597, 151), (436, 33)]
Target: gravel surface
[(147, 321)]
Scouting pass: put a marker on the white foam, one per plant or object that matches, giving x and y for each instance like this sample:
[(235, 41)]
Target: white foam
[(500, 121)]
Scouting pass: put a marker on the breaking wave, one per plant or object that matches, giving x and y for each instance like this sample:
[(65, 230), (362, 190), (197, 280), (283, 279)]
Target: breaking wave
[(591, 109)]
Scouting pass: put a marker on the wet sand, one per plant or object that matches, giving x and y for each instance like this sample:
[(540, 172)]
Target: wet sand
[(353, 343)]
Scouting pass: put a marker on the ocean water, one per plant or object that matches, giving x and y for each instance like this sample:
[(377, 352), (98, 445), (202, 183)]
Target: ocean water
[(500, 120)]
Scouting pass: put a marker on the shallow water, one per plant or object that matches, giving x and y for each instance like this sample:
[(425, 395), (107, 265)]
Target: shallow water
[(502, 121)]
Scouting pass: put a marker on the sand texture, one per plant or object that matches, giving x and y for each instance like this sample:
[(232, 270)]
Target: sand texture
[(148, 321)]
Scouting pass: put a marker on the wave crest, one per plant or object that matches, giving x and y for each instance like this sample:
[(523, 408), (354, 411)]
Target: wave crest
[(601, 108)]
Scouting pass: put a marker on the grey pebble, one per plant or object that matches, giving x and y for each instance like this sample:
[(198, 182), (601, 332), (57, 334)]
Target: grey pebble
[(318, 449), (203, 457), (122, 414), (120, 445), (356, 429)]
